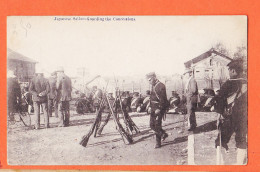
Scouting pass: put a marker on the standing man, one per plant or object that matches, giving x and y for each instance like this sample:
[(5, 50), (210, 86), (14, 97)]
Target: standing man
[(232, 107), (159, 105), (191, 93), (13, 94), (52, 95), (64, 89), (39, 88)]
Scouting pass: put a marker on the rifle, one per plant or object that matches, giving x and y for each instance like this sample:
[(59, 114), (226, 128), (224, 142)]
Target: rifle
[(126, 137), (94, 126), (130, 125)]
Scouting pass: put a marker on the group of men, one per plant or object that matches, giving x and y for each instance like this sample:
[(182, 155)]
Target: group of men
[(48, 92), (231, 104), (45, 93)]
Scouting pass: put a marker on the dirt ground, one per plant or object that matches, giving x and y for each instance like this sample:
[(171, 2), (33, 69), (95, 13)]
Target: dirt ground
[(60, 146)]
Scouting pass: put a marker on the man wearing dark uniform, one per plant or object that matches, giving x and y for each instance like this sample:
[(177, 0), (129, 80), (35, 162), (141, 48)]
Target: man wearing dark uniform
[(64, 89), (13, 94), (159, 105), (52, 95), (232, 106), (39, 88)]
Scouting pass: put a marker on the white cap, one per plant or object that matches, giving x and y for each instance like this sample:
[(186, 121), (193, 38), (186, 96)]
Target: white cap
[(10, 74)]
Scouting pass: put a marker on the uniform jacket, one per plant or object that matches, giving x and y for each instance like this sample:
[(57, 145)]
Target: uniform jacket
[(53, 89), (158, 96), (228, 89), (238, 109), (64, 87), (13, 93), (38, 85), (191, 91)]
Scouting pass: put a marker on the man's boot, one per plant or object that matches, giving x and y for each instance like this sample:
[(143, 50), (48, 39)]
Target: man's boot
[(158, 142), (164, 136), (241, 156)]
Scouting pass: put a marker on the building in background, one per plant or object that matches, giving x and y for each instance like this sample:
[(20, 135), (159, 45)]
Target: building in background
[(210, 69), (23, 67)]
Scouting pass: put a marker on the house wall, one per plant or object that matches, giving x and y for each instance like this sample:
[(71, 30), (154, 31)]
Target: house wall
[(23, 70), (209, 71)]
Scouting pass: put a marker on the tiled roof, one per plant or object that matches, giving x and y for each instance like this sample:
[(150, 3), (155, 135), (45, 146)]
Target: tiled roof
[(204, 56), (12, 55)]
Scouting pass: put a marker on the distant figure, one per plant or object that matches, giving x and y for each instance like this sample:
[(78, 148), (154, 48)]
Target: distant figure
[(128, 101), (52, 96), (136, 102), (13, 94), (159, 105), (174, 100), (146, 102), (191, 93), (96, 97), (64, 89), (27, 103), (39, 88)]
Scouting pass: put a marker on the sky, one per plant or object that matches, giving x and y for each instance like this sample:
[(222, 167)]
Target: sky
[(121, 47)]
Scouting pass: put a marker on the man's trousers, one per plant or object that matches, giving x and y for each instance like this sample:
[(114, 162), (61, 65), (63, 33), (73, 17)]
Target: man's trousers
[(51, 103), (64, 115), (37, 106), (191, 108), (156, 126)]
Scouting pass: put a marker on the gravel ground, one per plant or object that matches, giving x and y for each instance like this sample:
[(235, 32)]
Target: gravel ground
[(60, 146)]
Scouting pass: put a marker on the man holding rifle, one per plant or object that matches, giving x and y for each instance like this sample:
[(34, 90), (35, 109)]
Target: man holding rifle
[(231, 104), (159, 105)]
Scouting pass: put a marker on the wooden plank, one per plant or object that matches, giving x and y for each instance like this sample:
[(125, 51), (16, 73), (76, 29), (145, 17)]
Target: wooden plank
[(191, 152)]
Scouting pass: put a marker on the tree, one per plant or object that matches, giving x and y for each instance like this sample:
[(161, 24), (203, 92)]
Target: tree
[(221, 48), (241, 53)]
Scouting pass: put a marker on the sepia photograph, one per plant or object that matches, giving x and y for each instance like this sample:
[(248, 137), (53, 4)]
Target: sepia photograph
[(127, 90)]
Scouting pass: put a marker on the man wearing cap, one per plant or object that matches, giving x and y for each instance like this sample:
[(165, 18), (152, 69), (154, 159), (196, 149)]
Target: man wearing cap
[(231, 104), (13, 94), (159, 105), (191, 93), (52, 95), (64, 89), (39, 88)]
